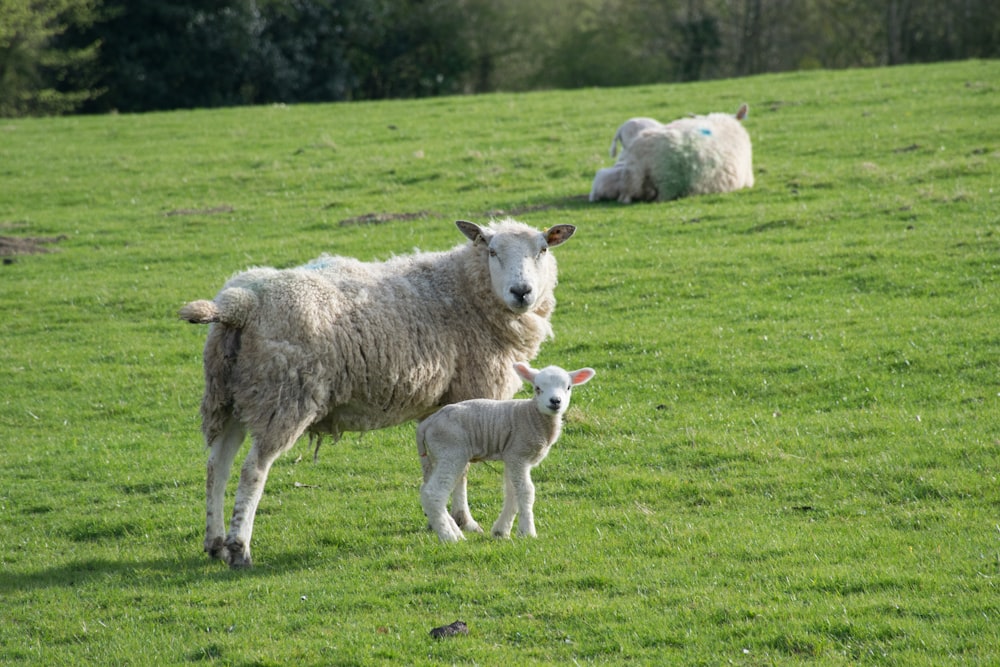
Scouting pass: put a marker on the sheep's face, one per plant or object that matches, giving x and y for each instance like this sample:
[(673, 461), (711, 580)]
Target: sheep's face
[(552, 386), (521, 270)]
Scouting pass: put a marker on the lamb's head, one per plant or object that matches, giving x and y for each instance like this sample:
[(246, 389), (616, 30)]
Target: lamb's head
[(552, 385), (521, 270)]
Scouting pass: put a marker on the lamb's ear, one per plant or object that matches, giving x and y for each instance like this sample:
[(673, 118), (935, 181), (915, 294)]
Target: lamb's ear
[(582, 376), (525, 372), (472, 231), (742, 112), (558, 234)]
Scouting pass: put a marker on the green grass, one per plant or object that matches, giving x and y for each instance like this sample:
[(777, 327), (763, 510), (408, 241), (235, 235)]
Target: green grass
[(789, 454)]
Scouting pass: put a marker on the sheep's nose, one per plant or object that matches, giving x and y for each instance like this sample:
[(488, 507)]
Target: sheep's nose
[(555, 402), (521, 292)]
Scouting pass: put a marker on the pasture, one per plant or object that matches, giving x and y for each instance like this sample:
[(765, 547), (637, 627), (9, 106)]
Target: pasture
[(790, 453)]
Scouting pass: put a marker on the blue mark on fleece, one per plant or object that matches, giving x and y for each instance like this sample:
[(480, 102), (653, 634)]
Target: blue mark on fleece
[(707, 132), (317, 264)]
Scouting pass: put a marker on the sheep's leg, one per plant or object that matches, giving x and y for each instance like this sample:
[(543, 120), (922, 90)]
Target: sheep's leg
[(460, 511), (434, 498), (264, 451), (503, 524), (222, 453)]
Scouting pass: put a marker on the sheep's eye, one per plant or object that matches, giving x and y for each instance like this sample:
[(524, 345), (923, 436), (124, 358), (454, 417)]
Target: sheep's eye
[(493, 253), (538, 390), (543, 251)]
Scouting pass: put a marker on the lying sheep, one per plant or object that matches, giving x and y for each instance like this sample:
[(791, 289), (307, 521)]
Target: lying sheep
[(517, 432), (690, 156), (341, 345), (629, 130)]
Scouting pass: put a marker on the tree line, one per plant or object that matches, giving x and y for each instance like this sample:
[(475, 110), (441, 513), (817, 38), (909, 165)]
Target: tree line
[(93, 56)]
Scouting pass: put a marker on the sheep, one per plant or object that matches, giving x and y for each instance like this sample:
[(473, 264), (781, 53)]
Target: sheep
[(689, 156), (341, 345), (517, 432), (629, 130)]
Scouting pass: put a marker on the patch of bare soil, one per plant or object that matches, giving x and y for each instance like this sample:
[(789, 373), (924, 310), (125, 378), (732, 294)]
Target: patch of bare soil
[(381, 218), (200, 211), (26, 245)]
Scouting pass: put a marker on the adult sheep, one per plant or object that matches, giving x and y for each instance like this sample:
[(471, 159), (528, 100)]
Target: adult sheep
[(341, 345), (689, 156)]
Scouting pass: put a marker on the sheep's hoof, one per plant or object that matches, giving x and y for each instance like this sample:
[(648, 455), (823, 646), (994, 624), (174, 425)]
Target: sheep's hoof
[(237, 555), (500, 535), (216, 549), (465, 521)]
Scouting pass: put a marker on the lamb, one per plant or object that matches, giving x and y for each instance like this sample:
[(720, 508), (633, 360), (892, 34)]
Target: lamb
[(608, 182), (517, 432), (341, 345), (689, 156), (629, 130)]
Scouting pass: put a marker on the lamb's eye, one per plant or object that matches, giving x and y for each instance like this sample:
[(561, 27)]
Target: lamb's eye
[(538, 390), (543, 251), (493, 253)]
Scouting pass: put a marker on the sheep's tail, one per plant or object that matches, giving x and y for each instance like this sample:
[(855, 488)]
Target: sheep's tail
[(199, 312), (233, 307)]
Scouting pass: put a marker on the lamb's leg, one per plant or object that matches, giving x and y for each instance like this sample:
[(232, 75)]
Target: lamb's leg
[(434, 498), (503, 524), (525, 492), (264, 451), (460, 511), (222, 452)]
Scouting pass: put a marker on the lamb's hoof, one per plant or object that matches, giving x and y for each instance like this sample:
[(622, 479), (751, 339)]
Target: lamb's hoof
[(501, 535)]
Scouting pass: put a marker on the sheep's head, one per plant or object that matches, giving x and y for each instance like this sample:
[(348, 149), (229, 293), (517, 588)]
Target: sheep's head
[(521, 270), (552, 385)]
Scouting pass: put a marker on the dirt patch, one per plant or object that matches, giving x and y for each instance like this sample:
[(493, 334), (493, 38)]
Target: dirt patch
[(380, 218), (27, 245), (199, 211)]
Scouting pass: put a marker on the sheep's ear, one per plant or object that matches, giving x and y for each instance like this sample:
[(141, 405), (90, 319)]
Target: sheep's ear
[(559, 234), (742, 112), (472, 231), (582, 376), (525, 372)]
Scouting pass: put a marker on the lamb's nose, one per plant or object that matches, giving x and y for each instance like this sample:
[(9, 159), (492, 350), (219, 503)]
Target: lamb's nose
[(555, 401), (521, 292)]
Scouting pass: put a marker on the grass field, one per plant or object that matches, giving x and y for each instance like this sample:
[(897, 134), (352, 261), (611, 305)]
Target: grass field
[(789, 454)]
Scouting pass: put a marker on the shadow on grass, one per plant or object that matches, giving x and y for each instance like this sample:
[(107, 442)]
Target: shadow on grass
[(188, 570)]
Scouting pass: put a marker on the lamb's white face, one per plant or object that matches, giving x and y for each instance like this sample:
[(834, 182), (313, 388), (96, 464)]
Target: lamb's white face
[(521, 270), (552, 387)]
